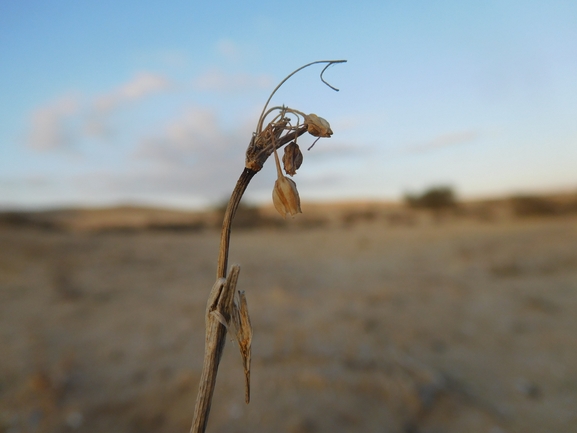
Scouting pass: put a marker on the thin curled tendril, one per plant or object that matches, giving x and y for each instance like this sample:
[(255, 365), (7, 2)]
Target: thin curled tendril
[(325, 68), (330, 62)]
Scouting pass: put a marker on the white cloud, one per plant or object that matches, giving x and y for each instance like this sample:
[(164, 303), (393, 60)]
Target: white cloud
[(193, 154), (69, 119), (143, 84), (195, 131), (49, 123)]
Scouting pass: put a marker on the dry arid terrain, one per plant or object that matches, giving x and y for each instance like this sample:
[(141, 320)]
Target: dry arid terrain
[(367, 318)]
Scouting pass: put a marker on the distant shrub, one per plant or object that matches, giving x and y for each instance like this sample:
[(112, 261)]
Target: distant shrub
[(180, 226), (529, 205), (436, 198), (15, 219), (357, 216), (27, 219)]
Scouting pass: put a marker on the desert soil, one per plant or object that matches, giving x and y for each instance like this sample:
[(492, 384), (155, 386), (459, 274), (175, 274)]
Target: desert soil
[(452, 327)]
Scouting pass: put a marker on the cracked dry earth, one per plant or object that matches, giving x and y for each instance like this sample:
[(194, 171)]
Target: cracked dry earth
[(460, 327)]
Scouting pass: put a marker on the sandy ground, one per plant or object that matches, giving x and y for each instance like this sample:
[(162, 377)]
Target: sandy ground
[(460, 327)]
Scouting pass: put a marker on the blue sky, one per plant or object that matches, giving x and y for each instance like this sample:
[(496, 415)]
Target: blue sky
[(107, 102)]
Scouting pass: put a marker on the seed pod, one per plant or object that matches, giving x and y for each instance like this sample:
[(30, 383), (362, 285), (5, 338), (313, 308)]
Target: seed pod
[(317, 126), (292, 158), (285, 196)]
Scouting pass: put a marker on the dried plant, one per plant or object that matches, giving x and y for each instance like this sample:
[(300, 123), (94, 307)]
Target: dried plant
[(225, 306)]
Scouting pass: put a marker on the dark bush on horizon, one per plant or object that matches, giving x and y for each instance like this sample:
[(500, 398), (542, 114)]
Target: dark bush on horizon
[(529, 205), (435, 198)]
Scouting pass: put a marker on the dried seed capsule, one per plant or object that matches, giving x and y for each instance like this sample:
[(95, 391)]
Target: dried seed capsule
[(317, 126), (292, 158), (285, 197)]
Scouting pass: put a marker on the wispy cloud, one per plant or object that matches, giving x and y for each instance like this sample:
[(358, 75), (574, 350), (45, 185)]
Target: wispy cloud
[(71, 118), (444, 140), (140, 86), (193, 153), (49, 124), (196, 130)]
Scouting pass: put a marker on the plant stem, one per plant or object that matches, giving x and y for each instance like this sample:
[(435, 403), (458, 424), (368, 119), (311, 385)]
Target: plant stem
[(216, 331), (221, 295), (218, 308), (231, 208)]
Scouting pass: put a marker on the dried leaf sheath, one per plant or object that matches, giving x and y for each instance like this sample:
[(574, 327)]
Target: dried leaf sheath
[(243, 328), (220, 299)]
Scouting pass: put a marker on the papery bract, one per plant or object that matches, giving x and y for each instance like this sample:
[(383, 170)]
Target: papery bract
[(285, 197), (317, 126)]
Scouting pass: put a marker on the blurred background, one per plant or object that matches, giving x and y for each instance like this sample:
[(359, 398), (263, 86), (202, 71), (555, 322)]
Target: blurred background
[(106, 103), (429, 284)]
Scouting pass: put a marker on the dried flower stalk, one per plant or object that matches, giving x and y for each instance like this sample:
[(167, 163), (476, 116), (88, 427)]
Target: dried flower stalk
[(224, 305)]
